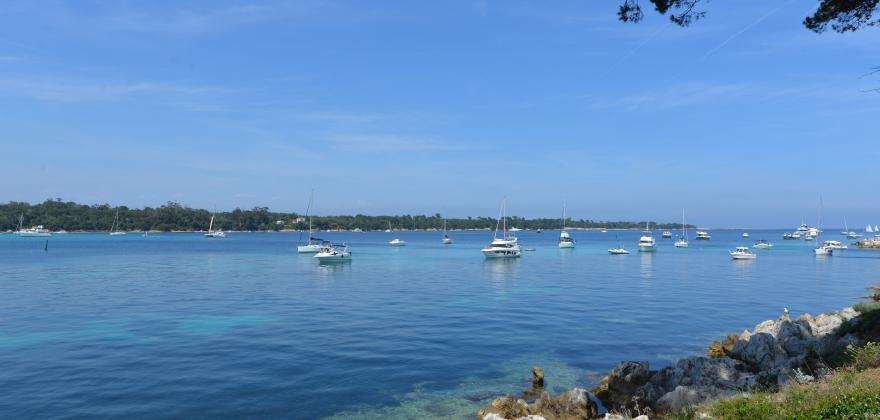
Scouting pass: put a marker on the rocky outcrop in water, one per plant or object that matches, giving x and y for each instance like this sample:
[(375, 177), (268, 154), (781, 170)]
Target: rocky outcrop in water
[(773, 354)]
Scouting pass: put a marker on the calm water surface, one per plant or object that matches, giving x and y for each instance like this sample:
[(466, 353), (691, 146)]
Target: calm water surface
[(184, 326)]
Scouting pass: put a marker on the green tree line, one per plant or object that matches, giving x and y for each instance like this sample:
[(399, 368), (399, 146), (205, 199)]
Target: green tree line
[(58, 214)]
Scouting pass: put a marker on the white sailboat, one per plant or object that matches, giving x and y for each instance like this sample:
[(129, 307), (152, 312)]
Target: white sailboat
[(446, 239), (683, 241), (506, 246), (214, 233), (619, 250), (868, 229), (822, 249), (115, 225), (313, 244), (565, 240), (330, 253)]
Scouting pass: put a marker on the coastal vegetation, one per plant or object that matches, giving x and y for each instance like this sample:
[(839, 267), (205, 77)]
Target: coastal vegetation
[(59, 214)]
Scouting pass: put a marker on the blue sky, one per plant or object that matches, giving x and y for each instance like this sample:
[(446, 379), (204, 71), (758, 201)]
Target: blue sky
[(422, 107)]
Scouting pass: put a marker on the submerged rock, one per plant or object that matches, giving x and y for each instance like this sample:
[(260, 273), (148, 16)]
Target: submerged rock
[(570, 405)]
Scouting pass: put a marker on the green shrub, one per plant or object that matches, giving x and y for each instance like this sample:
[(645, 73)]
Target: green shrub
[(867, 307), (865, 357)]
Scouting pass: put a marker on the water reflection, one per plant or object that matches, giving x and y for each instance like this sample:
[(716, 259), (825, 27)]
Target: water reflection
[(646, 265), (500, 269)]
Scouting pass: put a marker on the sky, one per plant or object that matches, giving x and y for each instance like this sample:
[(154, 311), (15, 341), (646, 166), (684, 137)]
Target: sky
[(744, 119)]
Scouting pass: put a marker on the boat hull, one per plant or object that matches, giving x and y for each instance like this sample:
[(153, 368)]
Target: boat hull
[(308, 249), (498, 254), (33, 235), (742, 256), (647, 248), (566, 244)]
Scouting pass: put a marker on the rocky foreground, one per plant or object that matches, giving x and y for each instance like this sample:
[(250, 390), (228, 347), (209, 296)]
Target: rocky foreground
[(773, 354)]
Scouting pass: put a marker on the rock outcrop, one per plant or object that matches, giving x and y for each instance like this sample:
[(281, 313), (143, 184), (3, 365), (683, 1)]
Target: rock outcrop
[(773, 354)]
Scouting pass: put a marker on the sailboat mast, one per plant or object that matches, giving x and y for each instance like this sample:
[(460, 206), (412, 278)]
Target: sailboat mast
[(211, 224), (504, 213), (563, 215)]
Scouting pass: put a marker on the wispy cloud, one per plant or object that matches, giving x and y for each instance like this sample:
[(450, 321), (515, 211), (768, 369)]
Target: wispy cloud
[(389, 143), (60, 90)]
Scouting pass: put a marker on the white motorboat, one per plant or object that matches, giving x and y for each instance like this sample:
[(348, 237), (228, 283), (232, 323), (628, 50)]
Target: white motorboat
[(788, 236), (803, 227), (446, 239), (742, 253), (604, 231), (505, 246), (313, 245), (702, 235), (745, 235), (762, 244), (115, 225), (666, 234), (397, 242), (565, 240), (214, 233), (834, 244), (333, 252), (36, 231), (823, 250), (513, 229), (647, 243), (853, 235), (682, 242)]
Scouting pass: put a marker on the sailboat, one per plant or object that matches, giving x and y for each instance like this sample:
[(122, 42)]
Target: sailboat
[(619, 250), (312, 245), (868, 229), (389, 227), (38, 230), (446, 239), (214, 233), (565, 240), (683, 241), (506, 246), (822, 249), (115, 225)]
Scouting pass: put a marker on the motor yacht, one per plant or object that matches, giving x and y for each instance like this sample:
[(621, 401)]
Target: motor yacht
[(666, 234), (762, 244), (36, 231), (505, 246), (823, 250), (397, 242), (647, 243), (745, 235), (742, 253), (834, 244), (702, 235), (333, 252)]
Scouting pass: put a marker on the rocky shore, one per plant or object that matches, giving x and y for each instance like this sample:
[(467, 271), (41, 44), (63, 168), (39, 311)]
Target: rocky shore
[(768, 357)]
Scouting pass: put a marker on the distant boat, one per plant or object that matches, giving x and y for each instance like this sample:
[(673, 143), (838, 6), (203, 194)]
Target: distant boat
[(834, 244), (745, 235), (565, 240), (446, 239), (539, 231), (762, 244), (333, 252), (803, 227), (824, 248), (313, 244), (683, 241), (506, 246), (389, 227), (513, 229), (36, 231), (647, 243), (619, 250), (214, 233), (604, 231), (742, 253), (869, 229), (666, 234), (702, 235), (115, 225), (397, 242)]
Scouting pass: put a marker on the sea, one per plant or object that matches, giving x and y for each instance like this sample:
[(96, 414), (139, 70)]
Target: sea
[(179, 325)]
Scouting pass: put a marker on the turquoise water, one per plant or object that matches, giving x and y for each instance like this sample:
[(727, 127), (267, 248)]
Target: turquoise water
[(180, 325)]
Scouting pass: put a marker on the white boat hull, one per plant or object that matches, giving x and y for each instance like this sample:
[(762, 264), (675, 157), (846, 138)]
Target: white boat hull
[(737, 256), (33, 234), (447, 241), (308, 249), (332, 256), (647, 248), (566, 244), (618, 251), (501, 253), (823, 251)]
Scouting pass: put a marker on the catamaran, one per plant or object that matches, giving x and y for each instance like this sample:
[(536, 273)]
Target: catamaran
[(214, 233), (683, 241), (565, 240), (647, 243), (446, 239), (506, 246), (313, 244), (115, 225)]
